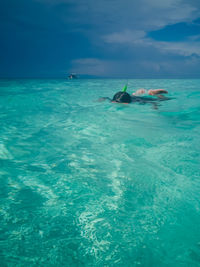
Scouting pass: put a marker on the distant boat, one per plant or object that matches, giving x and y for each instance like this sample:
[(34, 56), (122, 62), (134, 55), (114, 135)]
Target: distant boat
[(72, 76)]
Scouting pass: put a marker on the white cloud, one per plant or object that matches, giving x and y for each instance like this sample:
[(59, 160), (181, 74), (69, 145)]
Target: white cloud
[(113, 15), (124, 21), (181, 48), (126, 36), (127, 21), (112, 25), (137, 38)]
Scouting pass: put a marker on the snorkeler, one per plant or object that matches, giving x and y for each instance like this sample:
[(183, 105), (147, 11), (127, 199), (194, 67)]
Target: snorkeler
[(126, 98)]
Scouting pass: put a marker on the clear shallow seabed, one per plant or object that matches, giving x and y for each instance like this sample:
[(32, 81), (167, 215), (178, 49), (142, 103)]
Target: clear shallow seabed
[(85, 183)]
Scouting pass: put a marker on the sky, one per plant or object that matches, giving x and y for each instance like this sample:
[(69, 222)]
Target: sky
[(100, 38)]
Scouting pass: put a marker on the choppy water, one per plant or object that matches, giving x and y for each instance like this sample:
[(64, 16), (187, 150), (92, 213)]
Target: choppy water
[(85, 183)]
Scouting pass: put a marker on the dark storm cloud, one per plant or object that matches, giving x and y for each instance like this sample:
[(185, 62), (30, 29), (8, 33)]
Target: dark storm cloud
[(106, 38)]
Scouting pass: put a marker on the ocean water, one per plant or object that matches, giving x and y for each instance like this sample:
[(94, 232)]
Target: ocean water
[(87, 183)]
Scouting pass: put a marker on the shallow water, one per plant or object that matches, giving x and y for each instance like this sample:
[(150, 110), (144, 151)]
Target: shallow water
[(85, 183)]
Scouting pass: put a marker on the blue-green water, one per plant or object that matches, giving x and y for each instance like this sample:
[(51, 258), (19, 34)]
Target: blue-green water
[(85, 183)]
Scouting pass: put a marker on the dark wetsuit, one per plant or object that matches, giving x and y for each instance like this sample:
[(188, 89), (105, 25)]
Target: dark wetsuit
[(139, 99), (147, 99)]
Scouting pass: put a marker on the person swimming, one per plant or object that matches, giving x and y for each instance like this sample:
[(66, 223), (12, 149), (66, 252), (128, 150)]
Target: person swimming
[(125, 98)]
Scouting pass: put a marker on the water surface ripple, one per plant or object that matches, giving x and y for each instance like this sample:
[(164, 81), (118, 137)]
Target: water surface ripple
[(87, 183)]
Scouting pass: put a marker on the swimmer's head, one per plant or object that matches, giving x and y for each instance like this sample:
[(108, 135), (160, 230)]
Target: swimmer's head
[(122, 97)]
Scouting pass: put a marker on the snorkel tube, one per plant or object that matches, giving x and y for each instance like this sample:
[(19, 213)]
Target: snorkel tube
[(125, 88)]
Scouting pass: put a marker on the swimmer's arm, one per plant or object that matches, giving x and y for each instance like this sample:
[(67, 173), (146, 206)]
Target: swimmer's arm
[(157, 92), (153, 92), (140, 91)]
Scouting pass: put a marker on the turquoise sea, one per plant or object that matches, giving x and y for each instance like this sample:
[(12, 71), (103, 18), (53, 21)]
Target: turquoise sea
[(87, 183)]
